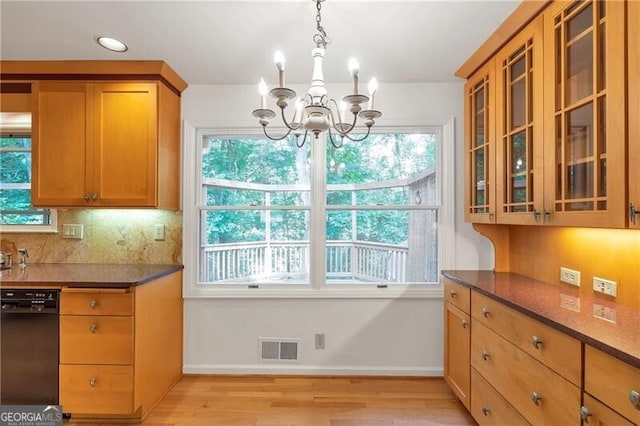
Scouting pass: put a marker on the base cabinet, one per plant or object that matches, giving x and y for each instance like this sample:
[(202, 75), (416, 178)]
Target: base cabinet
[(457, 337), (488, 407), (120, 350)]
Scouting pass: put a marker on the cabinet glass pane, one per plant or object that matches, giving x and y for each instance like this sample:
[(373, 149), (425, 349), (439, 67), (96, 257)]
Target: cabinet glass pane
[(602, 147), (602, 52), (580, 22), (579, 142), (519, 103), (580, 69), (480, 177), (519, 169), (479, 114)]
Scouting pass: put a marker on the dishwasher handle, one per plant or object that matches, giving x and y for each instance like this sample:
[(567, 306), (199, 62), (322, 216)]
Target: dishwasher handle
[(15, 308)]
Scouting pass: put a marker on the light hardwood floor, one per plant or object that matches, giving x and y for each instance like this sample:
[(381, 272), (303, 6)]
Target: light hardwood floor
[(309, 401)]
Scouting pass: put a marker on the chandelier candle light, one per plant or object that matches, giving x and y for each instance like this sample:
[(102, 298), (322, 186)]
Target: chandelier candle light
[(316, 112)]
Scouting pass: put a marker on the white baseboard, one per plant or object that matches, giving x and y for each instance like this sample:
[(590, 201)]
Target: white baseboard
[(321, 370)]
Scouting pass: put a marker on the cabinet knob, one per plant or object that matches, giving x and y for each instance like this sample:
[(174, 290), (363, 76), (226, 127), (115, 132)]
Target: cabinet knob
[(93, 328), (485, 410), (634, 397), (536, 215), (485, 355), (93, 304), (92, 382), (536, 398), (465, 324), (87, 198), (584, 414), (536, 342), (633, 212), (547, 216), (485, 312), (94, 197), (453, 294)]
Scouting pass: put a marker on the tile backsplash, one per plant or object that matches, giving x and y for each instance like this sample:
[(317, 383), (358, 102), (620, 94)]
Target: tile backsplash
[(110, 236)]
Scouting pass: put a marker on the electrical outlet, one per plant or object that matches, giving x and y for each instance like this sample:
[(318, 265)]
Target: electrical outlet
[(605, 313), (319, 340), (607, 287), (72, 230), (570, 276), (158, 232), (571, 303)]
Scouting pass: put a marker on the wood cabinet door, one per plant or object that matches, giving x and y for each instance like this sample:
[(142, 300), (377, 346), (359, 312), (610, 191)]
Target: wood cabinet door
[(479, 107), (519, 130), (125, 144), (457, 341), (61, 137), (593, 412), (633, 91), (584, 61)]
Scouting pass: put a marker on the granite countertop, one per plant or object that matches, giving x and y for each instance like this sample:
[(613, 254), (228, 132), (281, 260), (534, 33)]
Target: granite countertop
[(596, 320), (84, 275)]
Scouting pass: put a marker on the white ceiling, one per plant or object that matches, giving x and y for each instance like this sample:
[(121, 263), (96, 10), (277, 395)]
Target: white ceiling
[(232, 42)]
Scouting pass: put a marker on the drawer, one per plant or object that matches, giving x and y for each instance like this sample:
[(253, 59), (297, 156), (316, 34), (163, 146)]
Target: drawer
[(77, 302), (96, 340), (612, 381), (488, 407), (556, 350), (458, 295), (599, 414), (539, 394), (96, 389)]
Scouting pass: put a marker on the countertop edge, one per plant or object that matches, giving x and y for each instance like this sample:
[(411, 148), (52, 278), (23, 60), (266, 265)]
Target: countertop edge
[(617, 353)]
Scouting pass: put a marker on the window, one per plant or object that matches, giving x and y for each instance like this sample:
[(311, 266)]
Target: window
[(16, 213), (269, 215)]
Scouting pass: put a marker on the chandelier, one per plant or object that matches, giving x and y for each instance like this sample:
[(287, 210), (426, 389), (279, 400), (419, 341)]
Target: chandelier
[(316, 112)]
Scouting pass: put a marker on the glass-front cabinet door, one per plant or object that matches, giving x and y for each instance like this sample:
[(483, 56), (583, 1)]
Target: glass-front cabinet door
[(519, 142), (585, 113), (633, 40), (480, 146)]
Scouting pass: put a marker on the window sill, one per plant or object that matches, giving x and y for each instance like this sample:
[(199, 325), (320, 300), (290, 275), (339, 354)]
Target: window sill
[(28, 229)]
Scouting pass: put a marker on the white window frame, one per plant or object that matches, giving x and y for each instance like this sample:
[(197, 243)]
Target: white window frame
[(317, 288)]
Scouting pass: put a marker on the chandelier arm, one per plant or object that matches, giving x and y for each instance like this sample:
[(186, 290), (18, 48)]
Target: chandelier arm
[(333, 143), (333, 120), (264, 129), (300, 145), (360, 139), (284, 120)]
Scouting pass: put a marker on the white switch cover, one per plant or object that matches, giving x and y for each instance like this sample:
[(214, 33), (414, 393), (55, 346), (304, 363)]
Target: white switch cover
[(158, 232), (72, 230)]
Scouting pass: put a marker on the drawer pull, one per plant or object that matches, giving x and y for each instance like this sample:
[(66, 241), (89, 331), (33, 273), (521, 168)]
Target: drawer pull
[(92, 382), (93, 328), (485, 411), (535, 398), (485, 312), (536, 342), (453, 294), (584, 414), (634, 397), (93, 304), (485, 355), (464, 323)]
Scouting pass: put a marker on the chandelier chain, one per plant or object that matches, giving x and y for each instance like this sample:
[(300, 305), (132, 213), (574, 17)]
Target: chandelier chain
[(320, 39)]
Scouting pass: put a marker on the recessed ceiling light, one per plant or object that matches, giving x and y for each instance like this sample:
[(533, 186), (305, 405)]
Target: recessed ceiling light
[(111, 44)]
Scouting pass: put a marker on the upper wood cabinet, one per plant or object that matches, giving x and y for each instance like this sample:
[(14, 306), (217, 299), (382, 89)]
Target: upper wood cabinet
[(584, 45), (519, 128), (479, 106), (98, 144), (633, 93)]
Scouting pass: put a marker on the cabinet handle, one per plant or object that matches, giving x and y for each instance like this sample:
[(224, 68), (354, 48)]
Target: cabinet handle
[(535, 398), (547, 216), (93, 328), (633, 212), (93, 304), (94, 197), (485, 410), (584, 414), (453, 294), (634, 397), (536, 342), (87, 198), (464, 323), (536, 215), (92, 382), (485, 312), (485, 355)]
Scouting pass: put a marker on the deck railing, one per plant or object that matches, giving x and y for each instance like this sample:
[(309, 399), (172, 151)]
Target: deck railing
[(279, 260)]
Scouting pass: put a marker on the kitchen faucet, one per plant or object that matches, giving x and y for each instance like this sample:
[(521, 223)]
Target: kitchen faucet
[(24, 256)]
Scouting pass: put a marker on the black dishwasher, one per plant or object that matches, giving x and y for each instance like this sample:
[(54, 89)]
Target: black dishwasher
[(29, 347)]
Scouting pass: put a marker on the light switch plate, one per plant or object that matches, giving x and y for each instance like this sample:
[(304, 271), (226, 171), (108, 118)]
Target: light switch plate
[(158, 232), (72, 230)]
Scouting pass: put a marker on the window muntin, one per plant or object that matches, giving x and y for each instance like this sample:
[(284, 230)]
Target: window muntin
[(16, 212), (374, 192)]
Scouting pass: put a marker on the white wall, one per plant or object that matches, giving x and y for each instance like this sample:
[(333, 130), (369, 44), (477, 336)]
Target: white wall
[(363, 336)]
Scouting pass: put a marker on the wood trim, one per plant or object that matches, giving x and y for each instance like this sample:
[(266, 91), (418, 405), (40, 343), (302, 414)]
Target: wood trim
[(633, 88), (520, 17), (15, 88), (93, 70), (499, 237)]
